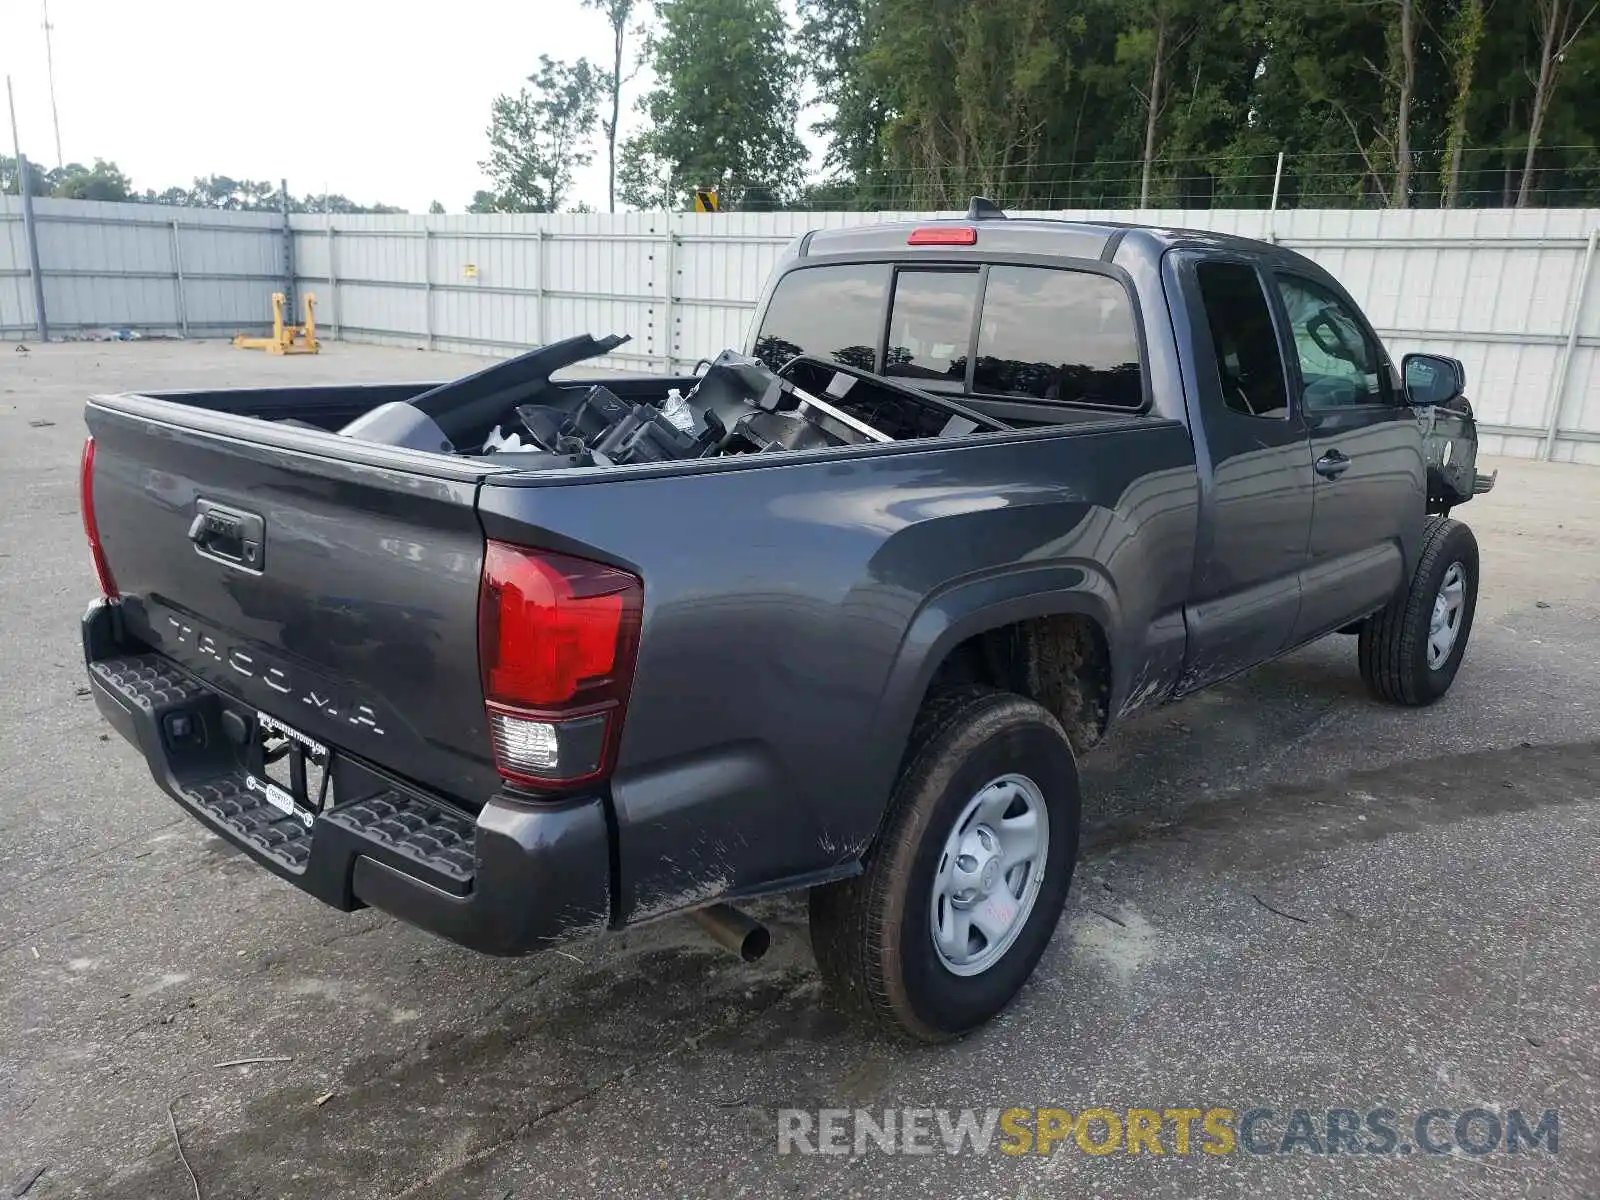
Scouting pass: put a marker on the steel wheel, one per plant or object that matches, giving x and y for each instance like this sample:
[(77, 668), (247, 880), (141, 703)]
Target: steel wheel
[(989, 874), (1445, 625), (1411, 650), (989, 774)]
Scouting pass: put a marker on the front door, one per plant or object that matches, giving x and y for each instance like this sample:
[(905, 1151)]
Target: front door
[(1369, 473), (1255, 460)]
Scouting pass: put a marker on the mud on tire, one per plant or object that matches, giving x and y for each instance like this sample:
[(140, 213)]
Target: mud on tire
[(874, 935)]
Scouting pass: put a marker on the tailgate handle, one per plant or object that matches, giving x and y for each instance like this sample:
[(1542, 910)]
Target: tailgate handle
[(229, 535)]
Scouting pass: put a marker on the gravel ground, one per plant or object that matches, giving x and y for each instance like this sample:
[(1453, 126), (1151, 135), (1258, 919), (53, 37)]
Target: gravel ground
[(1291, 897)]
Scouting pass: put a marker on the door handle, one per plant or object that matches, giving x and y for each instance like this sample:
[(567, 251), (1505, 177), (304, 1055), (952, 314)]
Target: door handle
[(1333, 464)]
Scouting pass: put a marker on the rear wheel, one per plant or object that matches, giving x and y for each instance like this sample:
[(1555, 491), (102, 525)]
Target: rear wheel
[(969, 877), (1411, 650)]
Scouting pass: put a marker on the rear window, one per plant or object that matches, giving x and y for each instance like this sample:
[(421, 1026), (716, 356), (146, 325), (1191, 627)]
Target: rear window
[(1062, 336), (930, 326), (1046, 334), (832, 312)]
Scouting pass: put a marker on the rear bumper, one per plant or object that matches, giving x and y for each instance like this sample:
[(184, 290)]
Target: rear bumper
[(515, 879)]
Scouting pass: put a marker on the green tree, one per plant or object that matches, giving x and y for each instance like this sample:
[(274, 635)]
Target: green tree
[(539, 137), (1463, 40), (331, 202), (1559, 24), (1189, 102), (38, 182), (977, 94), (1319, 97), (103, 181), (644, 180), (617, 14), (838, 35), (229, 194), (1211, 147), (1403, 78), (435, 208), (724, 107), (106, 181), (1151, 45)]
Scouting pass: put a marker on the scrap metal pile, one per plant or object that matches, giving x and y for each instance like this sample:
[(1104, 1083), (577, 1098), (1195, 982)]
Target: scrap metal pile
[(514, 411)]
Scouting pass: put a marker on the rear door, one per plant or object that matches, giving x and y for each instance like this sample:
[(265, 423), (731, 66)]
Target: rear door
[(1255, 461), (1368, 471)]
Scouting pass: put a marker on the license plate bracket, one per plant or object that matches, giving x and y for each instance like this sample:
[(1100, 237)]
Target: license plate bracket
[(290, 770)]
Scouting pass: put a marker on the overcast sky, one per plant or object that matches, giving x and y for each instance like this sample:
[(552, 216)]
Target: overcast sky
[(379, 101)]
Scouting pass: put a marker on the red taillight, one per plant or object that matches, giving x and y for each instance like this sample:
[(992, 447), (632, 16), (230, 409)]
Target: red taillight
[(943, 235), (557, 638), (91, 527)]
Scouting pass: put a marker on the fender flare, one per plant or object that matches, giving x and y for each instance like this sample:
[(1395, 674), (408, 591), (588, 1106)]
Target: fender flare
[(948, 617)]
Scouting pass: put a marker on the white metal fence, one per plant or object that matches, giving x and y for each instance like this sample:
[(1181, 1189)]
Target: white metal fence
[(179, 271), (1514, 294)]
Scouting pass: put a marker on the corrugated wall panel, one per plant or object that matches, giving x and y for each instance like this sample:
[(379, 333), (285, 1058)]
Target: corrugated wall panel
[(373, 308), (1495, 288), (1582, 410), (1492, 288), (115, 266), (16, 292)]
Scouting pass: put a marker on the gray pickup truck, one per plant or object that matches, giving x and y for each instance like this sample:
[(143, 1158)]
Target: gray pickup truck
[(524, 657)]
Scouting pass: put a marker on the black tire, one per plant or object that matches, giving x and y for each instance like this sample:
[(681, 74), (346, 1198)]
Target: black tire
[(872, 934), (1394, 642)]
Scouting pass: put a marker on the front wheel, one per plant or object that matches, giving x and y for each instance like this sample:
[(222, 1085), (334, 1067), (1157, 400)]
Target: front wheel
[(969, 876), (1411, 650)]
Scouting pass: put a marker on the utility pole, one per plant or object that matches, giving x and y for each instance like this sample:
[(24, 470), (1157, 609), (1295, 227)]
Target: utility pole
[(50, 67), (288, 253), (29, 234)]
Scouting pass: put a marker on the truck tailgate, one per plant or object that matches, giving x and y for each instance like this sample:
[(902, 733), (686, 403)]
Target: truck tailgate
[(335, 592)]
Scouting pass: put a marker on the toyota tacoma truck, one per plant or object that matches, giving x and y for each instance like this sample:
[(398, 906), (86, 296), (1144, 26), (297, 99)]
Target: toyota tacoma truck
[(528, 656)]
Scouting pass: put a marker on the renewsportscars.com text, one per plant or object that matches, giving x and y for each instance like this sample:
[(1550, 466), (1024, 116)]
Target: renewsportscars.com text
[(1180, 1132)]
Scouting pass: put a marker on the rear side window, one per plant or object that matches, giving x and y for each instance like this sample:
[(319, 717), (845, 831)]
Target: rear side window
[(832, 312), (1249, 363), (930, 326), (1058, 335)]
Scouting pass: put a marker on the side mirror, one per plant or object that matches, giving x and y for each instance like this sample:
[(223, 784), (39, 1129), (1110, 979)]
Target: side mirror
[(1432, 379)]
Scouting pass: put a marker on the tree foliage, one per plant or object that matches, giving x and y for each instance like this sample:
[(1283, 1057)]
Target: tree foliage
[(106, 181), (103, 181), (74, 181), (1188, 102), (1463, 40), (539, 137), (618, 14), (11, 185), (837, 35), (724, 108), (1038, 103)]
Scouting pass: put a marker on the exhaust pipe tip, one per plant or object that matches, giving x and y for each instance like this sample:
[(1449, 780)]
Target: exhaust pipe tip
[(734, 930)]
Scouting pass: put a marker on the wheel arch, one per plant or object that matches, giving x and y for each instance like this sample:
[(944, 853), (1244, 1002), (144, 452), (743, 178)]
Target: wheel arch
[(1046, 632)]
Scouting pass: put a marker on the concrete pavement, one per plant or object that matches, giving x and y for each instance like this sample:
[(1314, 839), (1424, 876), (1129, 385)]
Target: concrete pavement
[(1290, 897)]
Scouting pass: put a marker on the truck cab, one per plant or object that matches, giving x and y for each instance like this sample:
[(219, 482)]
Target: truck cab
[(1309, 455)]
